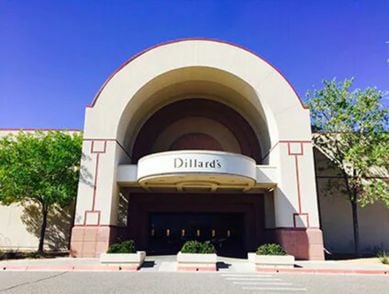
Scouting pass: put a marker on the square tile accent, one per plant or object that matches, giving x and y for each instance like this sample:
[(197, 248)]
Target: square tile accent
[(301, 220), (295, 148), (99, 146), (92, 217)]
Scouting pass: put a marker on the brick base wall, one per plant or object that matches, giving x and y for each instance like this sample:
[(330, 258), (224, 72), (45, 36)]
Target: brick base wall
[(91, 241), (301, 243)]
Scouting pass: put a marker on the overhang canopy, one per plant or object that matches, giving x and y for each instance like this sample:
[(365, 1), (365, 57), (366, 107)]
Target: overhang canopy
[(197, 170)]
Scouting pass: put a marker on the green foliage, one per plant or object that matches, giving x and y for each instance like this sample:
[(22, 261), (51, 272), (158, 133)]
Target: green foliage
[(40, 167), (198, 247), (123, 247), (353, 127), (384, 257), (43, 167), (270, 249)]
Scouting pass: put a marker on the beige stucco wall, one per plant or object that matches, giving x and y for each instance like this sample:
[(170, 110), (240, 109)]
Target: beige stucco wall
[(336, 217), (13, 232), (20, 224)]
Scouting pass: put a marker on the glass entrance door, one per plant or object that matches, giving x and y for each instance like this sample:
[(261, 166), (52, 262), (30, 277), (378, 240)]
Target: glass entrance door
[(169, 231)]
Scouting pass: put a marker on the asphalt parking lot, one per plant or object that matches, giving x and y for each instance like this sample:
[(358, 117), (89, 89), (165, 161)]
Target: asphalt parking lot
[(226, 283)]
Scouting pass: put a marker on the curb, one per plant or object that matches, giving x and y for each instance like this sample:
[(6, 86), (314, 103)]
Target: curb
[(124, 268), (70, 268), (325, 271)]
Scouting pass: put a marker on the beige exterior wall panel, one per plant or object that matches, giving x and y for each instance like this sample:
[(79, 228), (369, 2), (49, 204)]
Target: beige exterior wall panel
[(285, 198), (20, 227), (86, 182), (13, 232), (336, 215), (337, 225)]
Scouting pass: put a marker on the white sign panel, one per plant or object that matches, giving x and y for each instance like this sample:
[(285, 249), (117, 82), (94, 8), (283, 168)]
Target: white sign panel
[(196, 162)]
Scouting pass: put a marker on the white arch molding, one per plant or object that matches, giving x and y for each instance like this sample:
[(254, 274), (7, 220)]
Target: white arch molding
[(219, 71)]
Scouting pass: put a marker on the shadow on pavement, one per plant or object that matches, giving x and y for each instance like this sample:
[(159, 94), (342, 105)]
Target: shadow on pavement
[(222, 265), (148, 264)]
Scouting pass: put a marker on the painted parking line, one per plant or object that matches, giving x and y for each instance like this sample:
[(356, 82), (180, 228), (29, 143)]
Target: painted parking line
[(254, 279), (289, 289), (258, 280), (247, 275), (264, 283)]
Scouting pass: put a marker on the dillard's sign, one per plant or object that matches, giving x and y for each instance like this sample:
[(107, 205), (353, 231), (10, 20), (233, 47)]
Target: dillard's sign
[(197, 162), (182, 162)]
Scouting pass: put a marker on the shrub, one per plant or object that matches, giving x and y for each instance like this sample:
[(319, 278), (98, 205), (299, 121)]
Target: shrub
[(270, 249), (123, 247), (383, 256), (198, 247), (12, 254), (33, 254)]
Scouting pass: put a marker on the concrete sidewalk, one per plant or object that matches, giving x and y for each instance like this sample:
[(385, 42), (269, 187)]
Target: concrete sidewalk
[(168, 264), (350, 266)]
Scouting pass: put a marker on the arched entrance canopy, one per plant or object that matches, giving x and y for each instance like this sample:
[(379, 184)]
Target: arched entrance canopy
[(181, 40), (218, 70), (219, 73)]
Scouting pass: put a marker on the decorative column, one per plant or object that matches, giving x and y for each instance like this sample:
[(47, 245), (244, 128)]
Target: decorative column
[(95, 219), (297, 226)]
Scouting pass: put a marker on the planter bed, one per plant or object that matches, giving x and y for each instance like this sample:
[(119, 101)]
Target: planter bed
[(271, 261), (196, 261), (128, 260)]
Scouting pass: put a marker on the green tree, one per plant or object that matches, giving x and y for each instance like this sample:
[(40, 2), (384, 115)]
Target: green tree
[(40, 167), (352, 128)]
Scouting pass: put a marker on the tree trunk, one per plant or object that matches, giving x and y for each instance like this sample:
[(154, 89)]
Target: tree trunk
[(353, 197), (45, 210), (73, 211), (354, 207)]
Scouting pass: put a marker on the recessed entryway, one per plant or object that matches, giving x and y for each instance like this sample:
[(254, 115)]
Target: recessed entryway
[(169, 231), (161, 222)]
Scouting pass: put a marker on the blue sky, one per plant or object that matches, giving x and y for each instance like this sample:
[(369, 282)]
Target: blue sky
[(54, 55)]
